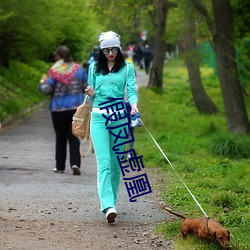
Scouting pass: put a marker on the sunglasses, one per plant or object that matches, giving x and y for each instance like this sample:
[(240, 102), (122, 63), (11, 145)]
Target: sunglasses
[(106, 51)]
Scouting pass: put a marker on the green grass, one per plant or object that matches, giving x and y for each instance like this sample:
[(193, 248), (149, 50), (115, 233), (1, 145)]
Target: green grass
[(214, 164), (19, 88)]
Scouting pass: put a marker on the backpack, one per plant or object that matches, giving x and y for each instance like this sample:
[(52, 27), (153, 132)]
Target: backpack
[(81, 126)]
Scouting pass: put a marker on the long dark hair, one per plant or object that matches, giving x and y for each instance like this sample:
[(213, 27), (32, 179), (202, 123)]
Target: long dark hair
[(63, 52), (102, 67)]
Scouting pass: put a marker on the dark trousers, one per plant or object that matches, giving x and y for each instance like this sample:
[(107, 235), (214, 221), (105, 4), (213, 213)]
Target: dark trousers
[(147, 65), (62, 122)]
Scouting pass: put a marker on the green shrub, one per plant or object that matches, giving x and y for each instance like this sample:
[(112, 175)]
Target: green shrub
[(19, 88), (223, 200), (231, 146), (211, 129)]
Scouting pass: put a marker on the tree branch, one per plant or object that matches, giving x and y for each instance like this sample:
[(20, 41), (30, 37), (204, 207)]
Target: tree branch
[(202, 9)]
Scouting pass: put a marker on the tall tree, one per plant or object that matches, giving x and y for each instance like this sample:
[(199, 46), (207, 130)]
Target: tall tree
[(223, 38), (201, 99), (126, 18), (159, 44), (242, 33)]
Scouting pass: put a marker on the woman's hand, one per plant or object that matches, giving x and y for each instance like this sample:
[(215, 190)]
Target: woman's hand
[(43, 79), (134, 109), (90, 91)]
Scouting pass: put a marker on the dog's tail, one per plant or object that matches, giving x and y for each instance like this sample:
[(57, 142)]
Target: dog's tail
[(175, 213)]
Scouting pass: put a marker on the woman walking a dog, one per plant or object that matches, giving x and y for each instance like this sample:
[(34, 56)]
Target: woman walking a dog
[(108, 77)]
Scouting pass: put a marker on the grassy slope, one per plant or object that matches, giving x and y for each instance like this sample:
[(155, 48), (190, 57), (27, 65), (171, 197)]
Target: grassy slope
[(220, 184), (19, 88)]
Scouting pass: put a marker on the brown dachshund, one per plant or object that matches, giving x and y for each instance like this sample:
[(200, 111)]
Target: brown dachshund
[(204, 229)]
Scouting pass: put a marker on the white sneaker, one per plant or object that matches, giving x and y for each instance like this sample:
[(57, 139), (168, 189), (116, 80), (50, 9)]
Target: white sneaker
[(58, 171), (111, 214), (129, 156)]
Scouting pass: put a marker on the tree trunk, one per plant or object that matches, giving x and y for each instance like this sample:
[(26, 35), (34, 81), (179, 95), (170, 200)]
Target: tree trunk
[(223, 38), (159, 47), (235, 109), (201, 99)]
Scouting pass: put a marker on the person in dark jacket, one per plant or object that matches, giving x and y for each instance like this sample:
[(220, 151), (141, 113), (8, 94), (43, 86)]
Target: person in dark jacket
[(147, 54)]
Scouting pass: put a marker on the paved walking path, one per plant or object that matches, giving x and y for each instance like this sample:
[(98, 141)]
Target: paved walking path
[(31, 190)]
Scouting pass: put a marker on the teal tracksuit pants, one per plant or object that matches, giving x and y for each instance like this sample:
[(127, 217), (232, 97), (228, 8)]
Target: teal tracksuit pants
[(108, 168)]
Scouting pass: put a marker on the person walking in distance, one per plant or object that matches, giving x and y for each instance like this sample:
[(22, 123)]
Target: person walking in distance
[(65, 83), (147, 54), (108, 77)]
